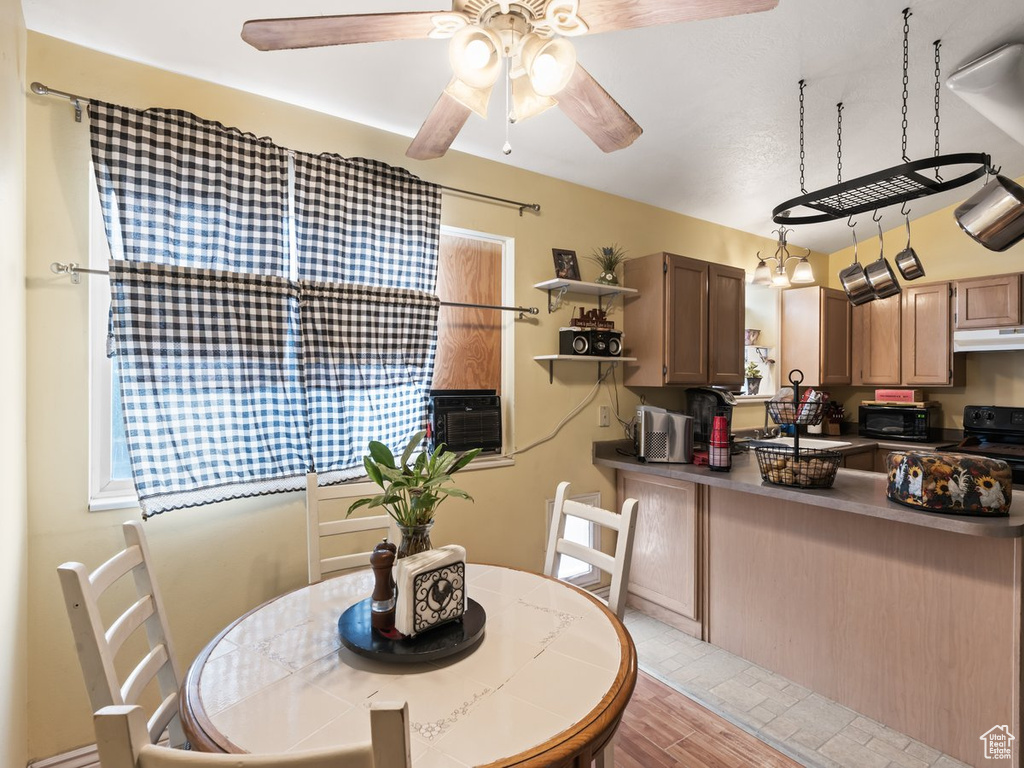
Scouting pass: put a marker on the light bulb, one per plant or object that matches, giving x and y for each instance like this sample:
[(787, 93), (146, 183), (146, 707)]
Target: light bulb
[(477, 54), (546, 73)]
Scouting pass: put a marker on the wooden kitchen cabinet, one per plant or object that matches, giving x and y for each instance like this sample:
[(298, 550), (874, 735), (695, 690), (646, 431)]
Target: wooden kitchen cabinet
[(988, 302), (859, 459), (664, 580), (687, 322), (876, 342), (816, 336), (927, 357)]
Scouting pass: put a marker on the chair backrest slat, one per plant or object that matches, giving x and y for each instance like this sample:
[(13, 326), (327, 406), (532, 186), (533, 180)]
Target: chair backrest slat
[(125, 625)]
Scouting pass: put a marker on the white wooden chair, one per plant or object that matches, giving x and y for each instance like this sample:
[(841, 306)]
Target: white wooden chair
[(317, 529), (98, 646), (122, 743), (624, 523)]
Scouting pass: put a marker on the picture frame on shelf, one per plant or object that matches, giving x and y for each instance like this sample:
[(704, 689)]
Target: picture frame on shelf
[(566, 265)]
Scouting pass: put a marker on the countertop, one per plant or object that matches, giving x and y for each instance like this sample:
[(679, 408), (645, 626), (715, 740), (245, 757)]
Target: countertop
[(854, 491)]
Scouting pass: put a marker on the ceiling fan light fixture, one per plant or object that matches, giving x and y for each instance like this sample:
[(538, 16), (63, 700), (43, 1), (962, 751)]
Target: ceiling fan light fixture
[(526, 102), (548, 63), (471, 98), (475, 54)]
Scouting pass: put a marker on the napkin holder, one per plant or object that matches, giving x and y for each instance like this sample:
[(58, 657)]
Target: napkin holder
[(431, 589)]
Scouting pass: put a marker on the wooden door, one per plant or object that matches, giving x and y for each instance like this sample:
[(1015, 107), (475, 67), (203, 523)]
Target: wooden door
[(726, 321), (927, 335), (876, 342), (801, 330), (836, 357), (988, 302), (643, 320), (686, 320), (664, 578), (468, 340)]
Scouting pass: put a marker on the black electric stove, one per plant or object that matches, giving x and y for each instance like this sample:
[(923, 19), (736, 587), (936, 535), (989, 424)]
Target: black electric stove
[(996, 432)]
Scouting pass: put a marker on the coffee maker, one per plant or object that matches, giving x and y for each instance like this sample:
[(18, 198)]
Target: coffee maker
[(703, 404)]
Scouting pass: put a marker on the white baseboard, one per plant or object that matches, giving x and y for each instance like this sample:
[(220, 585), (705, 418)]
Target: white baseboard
[(86, 757)]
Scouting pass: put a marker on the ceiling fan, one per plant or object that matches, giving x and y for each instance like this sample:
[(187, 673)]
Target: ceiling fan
[(530, 34)]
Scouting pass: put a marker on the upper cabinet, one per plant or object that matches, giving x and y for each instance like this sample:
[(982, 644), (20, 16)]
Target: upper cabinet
[(877, 342), (988, 302), (686, 324), (816, 336), (927, 337)]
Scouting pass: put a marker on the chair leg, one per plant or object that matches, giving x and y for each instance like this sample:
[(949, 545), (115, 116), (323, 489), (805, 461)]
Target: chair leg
[(606, 757)]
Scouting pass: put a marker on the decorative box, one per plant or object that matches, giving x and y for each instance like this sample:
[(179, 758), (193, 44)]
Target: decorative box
[(954, 483), (431, 589)]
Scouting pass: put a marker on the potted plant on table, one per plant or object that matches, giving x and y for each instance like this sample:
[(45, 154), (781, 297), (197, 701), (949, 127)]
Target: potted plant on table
[(609, 258), (753, 376), (413, 488)]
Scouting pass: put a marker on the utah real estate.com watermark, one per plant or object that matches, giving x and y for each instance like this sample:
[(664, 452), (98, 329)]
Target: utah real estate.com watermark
[(998, 742)]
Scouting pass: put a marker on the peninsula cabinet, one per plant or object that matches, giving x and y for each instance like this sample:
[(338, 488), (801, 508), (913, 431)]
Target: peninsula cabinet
[(664, 577), (988, 302), (686, 323), (816, 336)]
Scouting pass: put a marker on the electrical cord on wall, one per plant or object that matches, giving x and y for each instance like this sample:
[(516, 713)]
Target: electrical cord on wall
[(568, 417)]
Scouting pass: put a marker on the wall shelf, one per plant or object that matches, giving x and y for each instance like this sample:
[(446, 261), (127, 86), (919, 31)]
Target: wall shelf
[(550, 360), (560, 286)]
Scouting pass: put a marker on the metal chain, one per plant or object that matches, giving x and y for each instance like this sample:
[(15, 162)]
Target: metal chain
[(906, 78), (839, 143), (938, 90), (803, 189)]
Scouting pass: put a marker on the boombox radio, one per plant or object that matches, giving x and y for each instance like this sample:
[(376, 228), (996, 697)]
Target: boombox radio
[(590, 341)]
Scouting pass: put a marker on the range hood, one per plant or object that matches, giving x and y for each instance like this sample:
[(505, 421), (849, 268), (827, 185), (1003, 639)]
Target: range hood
[(988, 340), (994, 85)]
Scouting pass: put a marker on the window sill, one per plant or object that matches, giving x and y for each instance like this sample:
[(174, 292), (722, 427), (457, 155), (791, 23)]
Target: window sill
[(107, 503)]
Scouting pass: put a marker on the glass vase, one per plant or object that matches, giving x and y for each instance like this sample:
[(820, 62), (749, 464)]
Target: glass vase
[(415, 539)]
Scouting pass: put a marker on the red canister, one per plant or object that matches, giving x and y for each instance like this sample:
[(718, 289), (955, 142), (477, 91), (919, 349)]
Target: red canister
[(719, 455)]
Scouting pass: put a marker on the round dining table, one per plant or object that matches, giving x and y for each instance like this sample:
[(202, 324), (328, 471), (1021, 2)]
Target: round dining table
[(545, 686)]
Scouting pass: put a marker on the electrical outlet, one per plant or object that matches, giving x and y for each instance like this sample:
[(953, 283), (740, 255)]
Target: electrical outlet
[(604, 416)]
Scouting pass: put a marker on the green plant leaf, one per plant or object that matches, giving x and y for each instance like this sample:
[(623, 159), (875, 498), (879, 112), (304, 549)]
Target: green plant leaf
[(458, 493), (382, 454), (467, 457), (411, 446), (373, 471), (356, 505)]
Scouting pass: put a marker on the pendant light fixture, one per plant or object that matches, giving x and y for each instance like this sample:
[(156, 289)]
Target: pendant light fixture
[(778, 275)]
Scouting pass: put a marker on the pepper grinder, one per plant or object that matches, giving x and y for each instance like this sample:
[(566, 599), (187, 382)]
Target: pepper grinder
[(383, 599)]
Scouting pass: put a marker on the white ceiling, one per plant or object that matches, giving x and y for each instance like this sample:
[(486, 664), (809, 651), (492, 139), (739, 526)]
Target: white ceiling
[(718, 99)]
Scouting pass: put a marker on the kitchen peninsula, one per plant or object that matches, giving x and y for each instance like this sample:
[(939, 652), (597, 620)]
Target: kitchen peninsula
[(911, 618)]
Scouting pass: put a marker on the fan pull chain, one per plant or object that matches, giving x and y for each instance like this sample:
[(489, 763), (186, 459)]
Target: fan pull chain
[(906, 79), (509, 117), (938, 90)]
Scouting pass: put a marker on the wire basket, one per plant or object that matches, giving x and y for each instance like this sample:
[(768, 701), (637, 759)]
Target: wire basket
[(813, 469), (788, 412)]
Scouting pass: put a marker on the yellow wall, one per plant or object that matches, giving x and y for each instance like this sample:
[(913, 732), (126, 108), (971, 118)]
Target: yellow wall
[(993, 378), (216, 562), (13, 520)]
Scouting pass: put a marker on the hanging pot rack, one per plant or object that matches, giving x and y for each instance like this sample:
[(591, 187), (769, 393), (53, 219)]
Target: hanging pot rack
[(892, 186)]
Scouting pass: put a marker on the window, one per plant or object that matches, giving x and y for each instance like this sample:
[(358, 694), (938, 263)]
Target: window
[(474, 268), (762, 314)]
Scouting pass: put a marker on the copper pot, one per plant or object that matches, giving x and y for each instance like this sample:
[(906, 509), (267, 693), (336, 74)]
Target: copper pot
[(994, 215)]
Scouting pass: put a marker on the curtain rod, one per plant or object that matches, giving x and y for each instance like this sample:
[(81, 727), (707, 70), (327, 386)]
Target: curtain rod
[(75, 272), (76, 101)]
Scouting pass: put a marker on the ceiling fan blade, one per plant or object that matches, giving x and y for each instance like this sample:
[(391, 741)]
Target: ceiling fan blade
[(313, 31), (608, 15), (439, 129), (596, 113)]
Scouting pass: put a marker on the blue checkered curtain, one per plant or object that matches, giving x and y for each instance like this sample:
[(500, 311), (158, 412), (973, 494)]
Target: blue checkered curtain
[(210, 383), (177, 189), (367, 239)]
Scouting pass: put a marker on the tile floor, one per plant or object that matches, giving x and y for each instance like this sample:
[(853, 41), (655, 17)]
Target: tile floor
[(811, 729)]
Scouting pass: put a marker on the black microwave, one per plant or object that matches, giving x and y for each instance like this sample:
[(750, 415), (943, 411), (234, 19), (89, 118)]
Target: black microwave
[(901, 422)]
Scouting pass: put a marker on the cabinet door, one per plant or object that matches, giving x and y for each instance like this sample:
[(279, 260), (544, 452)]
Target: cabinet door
[(801, 331), (664, 570), (727, 317), (927, 335), (988, 302), (644, 320), (686, 320), (864, 460), (836, 360), (876, 342)]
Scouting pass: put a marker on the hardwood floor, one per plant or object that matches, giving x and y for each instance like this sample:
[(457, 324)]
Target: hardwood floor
[(661, 728)]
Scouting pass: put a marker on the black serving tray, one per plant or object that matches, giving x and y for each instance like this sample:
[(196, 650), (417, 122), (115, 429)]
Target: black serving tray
[(359, 636)]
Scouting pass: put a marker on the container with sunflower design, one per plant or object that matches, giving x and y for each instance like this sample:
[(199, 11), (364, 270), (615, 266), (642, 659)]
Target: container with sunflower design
[(954, 483)]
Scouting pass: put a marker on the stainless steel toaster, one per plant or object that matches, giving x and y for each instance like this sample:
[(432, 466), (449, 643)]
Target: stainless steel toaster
[(663, 436)]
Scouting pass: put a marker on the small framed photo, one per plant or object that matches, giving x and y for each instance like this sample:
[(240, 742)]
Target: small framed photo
[(566, 266)]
